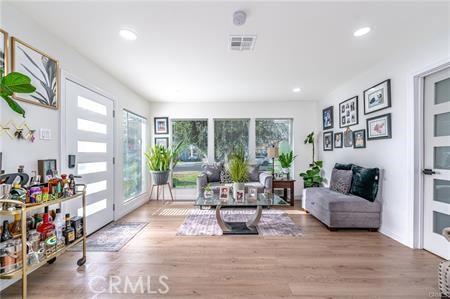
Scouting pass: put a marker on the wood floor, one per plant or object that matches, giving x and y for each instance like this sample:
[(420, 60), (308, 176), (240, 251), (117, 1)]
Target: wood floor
[(321, 264)]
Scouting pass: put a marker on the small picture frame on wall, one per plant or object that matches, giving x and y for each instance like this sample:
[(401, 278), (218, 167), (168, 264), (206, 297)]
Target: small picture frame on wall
[(348, 138), (359, 138), (348, 112), (338, 140), (328, 141), (327, 118), (379, 127), (43, 71), (4, 51), (161, 125), (377, 97), (164, 141)]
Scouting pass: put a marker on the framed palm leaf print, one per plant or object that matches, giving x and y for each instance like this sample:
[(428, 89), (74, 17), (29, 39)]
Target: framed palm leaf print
[(43, 71), (4, 51)]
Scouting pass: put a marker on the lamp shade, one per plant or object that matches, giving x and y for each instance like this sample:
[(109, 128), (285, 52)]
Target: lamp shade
[(272, 152)]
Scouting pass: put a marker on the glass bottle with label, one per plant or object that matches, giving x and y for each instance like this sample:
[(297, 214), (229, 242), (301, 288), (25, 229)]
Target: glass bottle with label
[(69, 231)]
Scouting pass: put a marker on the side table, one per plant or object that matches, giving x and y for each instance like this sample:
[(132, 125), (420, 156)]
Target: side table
[(285, 184)]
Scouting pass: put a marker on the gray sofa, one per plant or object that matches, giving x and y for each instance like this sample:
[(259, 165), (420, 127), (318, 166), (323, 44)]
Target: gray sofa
[(261, 180), (338, 210)]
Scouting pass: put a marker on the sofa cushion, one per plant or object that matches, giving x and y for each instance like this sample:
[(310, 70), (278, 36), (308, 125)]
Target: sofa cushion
[(365, 182), (341, 166), (213, 171), (225, 177), (333, 201), (341, 180), (253, 173)]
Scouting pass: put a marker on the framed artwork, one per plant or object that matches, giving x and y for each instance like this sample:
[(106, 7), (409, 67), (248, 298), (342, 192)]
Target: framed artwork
[(348, 138), (338, 142), (377, 97), (224, 193), (252, 193), (161, 125), (164, 141), (46, 169), (240, 195), (327, 118), (359, 139), (379, 127), (328, 141), (348, 112), (43, 71), (4, 51)]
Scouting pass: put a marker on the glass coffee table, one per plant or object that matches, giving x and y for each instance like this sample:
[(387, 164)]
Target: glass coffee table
[(241, 228)]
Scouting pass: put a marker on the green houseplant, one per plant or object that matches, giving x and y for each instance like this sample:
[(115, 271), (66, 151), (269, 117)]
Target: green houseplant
[(14, 82), (238, 169), (312, 177), (310, 140), (286, 160), (160, 161)]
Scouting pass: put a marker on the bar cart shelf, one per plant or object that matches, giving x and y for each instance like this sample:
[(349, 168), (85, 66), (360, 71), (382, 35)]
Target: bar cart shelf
[(23, 210)]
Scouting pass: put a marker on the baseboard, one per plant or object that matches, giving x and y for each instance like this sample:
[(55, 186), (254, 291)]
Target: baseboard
[(395, 237)]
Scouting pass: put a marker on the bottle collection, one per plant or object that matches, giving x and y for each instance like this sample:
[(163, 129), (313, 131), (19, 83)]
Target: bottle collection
[(47, 233)]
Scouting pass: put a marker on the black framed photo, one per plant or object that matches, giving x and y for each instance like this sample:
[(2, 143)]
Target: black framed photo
[(338, 140), (348, 112), (327, 118), (164, 141), (379, 127), (377, 97), (359, 138), (161, 125), (328, 141), (47, 169), (348, 138)]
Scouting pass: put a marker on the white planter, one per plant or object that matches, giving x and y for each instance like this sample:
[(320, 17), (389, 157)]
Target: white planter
[(237, 187)]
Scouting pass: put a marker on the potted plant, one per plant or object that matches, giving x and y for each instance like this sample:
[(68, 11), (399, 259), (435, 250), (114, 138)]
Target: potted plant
[(208, 191), (14, 82), (286, 160), (310, 140), (160, 161), (312, 177), (238, 169)]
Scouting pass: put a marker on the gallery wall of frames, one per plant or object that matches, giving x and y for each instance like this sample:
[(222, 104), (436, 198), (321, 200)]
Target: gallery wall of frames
[(376, 101)]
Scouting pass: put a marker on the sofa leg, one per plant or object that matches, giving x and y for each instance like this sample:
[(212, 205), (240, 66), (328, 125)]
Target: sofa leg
[(332, 229), (373, 229)]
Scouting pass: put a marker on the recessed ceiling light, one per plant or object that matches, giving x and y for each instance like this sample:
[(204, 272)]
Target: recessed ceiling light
[(127, 34), (361, 31), (296, 89)]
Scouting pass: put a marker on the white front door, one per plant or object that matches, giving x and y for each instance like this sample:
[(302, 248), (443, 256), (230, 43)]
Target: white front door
[(89, 136), (437, 162)]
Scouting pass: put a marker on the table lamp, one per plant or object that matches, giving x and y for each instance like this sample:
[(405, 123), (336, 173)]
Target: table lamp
[(272, 153)]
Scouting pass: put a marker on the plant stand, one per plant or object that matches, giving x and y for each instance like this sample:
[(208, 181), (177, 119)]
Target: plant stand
[(158, 192)]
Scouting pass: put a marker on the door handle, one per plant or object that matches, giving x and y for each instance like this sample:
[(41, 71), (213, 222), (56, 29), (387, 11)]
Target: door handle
[(428, 171)]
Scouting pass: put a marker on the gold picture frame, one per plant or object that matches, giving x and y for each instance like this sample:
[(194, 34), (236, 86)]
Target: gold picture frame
[(5, 45), (50, 74)]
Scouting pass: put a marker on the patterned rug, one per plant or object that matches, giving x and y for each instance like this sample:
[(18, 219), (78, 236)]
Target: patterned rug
[(272, 223), (112, 237)]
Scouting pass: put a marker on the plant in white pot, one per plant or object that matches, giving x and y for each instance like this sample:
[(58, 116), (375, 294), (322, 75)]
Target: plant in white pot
[(238, 169), (160, 161), (286, 160)]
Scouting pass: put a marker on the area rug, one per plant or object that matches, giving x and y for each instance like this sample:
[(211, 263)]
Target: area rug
[(272, 223), (112, 237)]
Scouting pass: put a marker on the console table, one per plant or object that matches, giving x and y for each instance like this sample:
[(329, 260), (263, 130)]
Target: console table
[(285, 184)]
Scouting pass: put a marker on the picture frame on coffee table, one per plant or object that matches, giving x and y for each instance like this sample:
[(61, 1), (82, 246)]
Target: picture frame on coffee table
[(328, 141), (359, 138), (379, 127), (348, 112), (338, 140), (224, 193), (377, 97)]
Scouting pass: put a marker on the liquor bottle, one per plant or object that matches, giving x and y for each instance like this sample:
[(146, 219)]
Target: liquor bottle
[(59, 227), (47, 228), (69, 231), (6, 234), (16, 229)]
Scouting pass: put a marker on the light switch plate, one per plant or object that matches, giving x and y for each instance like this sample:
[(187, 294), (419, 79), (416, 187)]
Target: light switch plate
[(45, 134)]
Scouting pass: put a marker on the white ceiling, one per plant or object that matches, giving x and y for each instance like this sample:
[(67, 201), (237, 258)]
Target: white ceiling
[(181, 52)]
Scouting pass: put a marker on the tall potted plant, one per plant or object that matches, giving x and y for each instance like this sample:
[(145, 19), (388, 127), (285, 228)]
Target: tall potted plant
[(238, 169), (312, 177), (14, 82), (310, 140), (286, 160), (160, 161)]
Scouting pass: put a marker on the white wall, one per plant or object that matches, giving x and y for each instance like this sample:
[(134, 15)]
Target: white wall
[(25, 153), (396, 155), (303, 113)]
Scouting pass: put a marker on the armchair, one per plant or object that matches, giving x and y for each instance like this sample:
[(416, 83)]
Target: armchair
[(444, 270)]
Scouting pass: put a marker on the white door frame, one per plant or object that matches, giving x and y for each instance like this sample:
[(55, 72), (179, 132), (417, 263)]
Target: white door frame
[(418, 118), (63, 120)]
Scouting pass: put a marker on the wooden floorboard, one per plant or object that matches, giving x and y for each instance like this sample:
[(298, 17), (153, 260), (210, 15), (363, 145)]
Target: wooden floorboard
[(320, 264)]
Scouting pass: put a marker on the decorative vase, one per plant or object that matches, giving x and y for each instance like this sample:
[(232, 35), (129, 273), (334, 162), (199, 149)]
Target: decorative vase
[(160, 177), (237, 187), (286, 172)]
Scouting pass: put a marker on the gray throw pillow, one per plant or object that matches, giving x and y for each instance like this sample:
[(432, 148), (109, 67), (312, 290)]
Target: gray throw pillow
[(225, 177), (253, 173), (213, 171), (341, 180)]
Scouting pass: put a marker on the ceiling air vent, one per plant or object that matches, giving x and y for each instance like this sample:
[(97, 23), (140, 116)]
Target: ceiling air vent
[(242, 42)]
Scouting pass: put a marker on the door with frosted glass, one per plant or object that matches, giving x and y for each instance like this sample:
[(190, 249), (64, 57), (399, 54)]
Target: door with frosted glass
[(437, 162), (89, 136)]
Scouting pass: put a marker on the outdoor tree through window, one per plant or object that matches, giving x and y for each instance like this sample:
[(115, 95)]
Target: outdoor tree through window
[(229, 133)]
